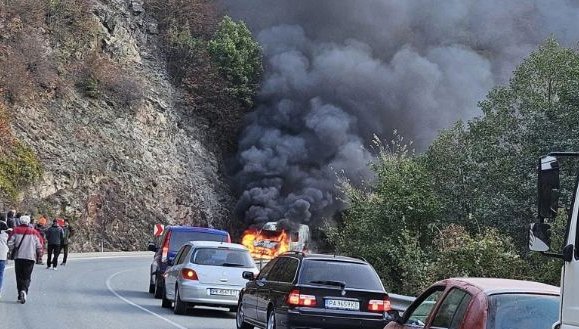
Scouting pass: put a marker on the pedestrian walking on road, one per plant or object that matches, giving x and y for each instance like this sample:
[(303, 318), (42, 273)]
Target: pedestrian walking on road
[(10, 219), (27, 244), (3, 251), (54, 238), (17, 219), (40, 230), (68, 233)]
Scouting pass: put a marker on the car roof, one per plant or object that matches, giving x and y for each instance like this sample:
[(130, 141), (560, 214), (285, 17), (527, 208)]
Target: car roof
[(179, 228), (331, 258), (214, 244), (494, 286)]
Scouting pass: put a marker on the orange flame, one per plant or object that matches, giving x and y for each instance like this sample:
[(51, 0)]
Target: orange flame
[(265, 244)]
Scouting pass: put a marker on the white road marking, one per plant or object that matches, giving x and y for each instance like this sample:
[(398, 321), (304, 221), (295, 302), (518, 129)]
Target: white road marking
[(92, 258), (176, 325)]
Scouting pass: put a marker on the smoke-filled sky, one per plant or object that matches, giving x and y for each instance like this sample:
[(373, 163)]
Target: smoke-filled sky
[(339, 72)]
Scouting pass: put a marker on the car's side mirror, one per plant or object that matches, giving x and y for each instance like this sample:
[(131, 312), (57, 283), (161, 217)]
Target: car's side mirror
[(152, 247), (548, 187), (248, 275), (540, 237)]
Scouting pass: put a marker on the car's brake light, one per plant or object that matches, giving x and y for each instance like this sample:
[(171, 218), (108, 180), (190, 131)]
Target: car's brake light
[(295, 298), (165, 248), (228, 238), (378, 305), (189, 274)]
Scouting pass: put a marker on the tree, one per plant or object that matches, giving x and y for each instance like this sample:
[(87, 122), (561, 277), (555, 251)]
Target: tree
[(463, 208), (238, 57), (488, 167), (391, 224)]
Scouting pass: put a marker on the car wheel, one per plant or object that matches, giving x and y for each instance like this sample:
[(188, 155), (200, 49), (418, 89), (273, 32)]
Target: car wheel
[(271, 320), (240, 319), (179, 307), (159, 288), (166, 303)]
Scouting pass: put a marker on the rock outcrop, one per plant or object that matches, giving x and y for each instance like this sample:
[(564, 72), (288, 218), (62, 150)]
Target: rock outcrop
[(115, 170)]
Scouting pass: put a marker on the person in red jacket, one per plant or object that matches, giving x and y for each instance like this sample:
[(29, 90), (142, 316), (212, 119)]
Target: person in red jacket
[(28, 249)]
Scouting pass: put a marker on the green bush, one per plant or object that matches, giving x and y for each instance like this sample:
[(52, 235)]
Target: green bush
[(391, 225), (458, 253), (19, 167), (100, 77), (238, 57)]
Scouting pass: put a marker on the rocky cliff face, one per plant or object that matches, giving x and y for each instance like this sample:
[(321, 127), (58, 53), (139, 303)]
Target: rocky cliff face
[(115, 170)]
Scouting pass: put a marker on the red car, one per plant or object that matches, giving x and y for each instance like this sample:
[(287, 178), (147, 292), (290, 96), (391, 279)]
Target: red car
[(476, 303)]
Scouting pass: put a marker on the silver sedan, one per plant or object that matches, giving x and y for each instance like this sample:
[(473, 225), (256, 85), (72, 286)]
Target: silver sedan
[(207, 273)]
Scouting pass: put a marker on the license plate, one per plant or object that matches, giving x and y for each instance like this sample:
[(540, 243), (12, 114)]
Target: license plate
[(224, 292), (343, 304)]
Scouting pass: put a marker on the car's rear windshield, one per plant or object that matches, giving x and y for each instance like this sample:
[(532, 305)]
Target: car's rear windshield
[(352, 275), (179, 238), (522, 311), (222, 257)]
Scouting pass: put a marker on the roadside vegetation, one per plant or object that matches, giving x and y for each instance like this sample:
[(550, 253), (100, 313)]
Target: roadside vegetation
[(19, 166), (463, 208), (214, 59)]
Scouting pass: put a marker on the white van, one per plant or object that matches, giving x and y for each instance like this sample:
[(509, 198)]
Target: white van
[(540, 236)]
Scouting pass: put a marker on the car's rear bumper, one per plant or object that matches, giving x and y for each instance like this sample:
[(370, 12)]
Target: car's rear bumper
[(197, 293), (297, 319)]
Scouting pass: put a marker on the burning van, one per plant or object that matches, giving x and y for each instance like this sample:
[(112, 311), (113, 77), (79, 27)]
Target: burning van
[(272, 239)]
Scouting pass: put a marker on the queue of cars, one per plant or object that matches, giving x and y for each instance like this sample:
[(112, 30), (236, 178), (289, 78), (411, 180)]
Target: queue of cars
[(169, 243), (196, 266)]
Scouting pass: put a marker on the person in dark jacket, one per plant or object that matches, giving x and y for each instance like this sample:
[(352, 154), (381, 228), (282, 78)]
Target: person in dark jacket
[(27, 243), (10, 219), (68, 233), (17, 219), (54, 237)]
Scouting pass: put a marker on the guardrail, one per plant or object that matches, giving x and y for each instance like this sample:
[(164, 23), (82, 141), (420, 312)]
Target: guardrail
[(400, 302)]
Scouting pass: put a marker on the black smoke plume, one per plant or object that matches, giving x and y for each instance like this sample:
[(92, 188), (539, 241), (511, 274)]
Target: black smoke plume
[(340, 71)]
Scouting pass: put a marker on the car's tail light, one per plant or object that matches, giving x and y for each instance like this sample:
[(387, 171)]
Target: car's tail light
[(189, 274), (379, 305), (295, 298), (165, 248), (228, 238)]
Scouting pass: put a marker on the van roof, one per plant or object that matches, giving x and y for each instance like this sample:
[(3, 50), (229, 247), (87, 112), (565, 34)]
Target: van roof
[(178, 228)]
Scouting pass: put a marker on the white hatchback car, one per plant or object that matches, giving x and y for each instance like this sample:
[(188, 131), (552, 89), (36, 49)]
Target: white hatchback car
[(207, 273)]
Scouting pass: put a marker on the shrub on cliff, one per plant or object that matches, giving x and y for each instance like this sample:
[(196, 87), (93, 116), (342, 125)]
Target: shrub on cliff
[(40, 42), (238, 57), (19, 167), (98, 76), (73, 27)]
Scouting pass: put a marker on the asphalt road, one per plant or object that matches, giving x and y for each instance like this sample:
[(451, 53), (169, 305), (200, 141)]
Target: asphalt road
[(103, 292)]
